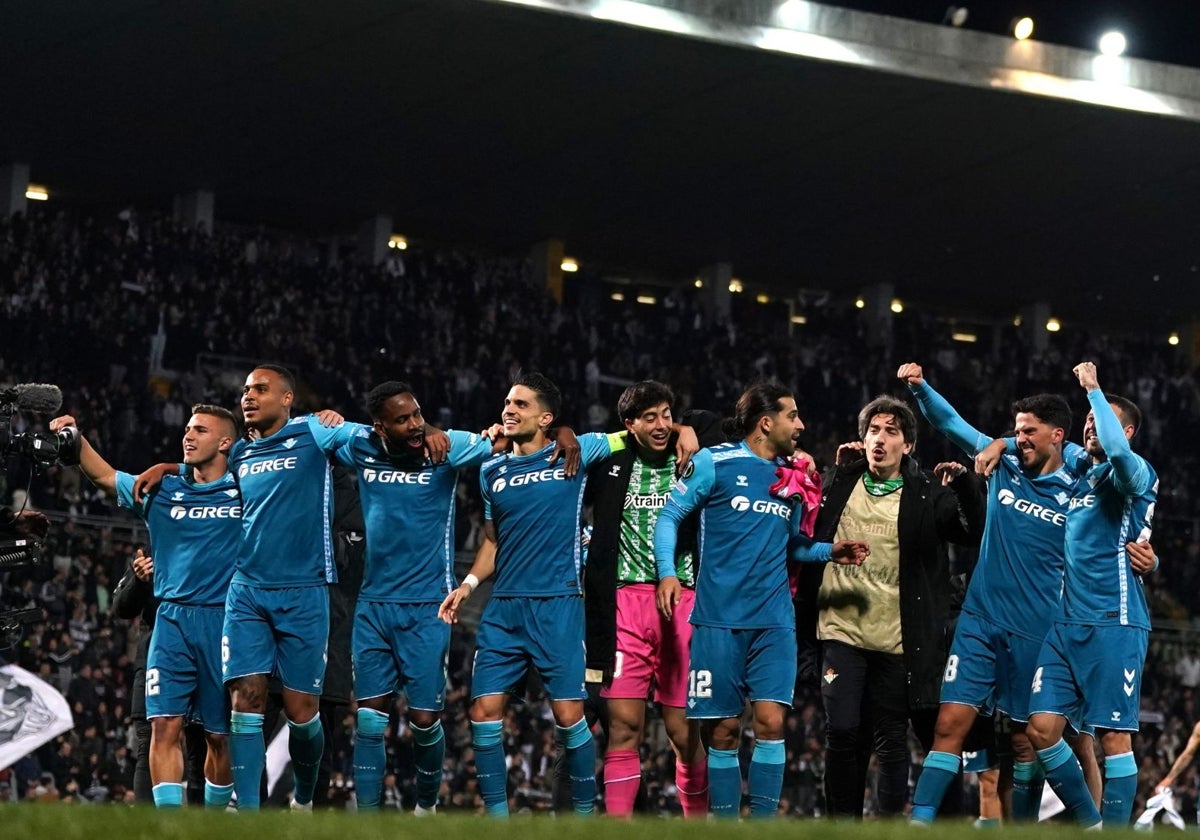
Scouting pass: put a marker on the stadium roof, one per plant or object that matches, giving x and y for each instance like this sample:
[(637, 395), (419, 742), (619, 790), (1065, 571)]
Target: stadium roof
[(497, 124)]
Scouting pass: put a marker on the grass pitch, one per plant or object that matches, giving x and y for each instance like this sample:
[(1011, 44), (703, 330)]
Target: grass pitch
[(81, 822)]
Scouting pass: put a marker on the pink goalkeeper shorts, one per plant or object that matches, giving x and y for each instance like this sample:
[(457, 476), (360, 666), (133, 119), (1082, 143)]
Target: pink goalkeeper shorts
[(651, 648)]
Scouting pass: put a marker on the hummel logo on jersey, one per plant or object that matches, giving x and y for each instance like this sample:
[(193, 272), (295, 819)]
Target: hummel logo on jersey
[(231, 493), (289, 443), (614, 471), (742, 481), (1130, 674), (1116, 716), (830, 676), (503, 469), (270, 465), (370, 460), (177, 497), (742, 504), (1062, 497)]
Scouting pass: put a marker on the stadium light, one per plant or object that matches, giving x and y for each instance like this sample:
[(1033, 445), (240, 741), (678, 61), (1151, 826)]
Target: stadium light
[(800, 319), (956, 16), (1022, 28), (1173, 339), (859, 303), (698, 283), (398, 243), (570, 264), (735, 286), (617, 296), (897, 305), (794, 14), (965, 337), (762, 298), (36, 192), (1016, 320), (1112, 43), (1053, 325), (649, 300)]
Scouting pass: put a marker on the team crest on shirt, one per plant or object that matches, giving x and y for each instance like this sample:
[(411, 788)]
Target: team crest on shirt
[(830, 676), (289, 443)]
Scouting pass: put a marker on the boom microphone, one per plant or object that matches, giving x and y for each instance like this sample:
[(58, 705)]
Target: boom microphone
[(35, 397)]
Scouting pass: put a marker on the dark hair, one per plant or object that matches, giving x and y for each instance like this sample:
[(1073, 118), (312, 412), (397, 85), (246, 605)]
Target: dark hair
[(383, 392), (899, 409), (757, 401), (1051, 409), (1131, 415), (547, 392), (217, 411), (289, 381), (642, 396)]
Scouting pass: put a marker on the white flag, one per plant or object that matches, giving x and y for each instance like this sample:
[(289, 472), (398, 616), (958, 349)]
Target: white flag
[(31, 713)]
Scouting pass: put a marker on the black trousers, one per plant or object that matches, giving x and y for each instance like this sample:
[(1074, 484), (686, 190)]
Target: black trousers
[(866, 710)]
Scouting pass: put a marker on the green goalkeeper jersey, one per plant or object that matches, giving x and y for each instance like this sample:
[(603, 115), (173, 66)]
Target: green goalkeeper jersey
[(649, 486)]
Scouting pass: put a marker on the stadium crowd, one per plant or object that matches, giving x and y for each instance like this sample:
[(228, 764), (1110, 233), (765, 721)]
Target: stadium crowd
[(137, 318)]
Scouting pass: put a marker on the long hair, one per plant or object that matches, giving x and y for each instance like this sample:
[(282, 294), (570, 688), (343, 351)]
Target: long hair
[(757, 401)]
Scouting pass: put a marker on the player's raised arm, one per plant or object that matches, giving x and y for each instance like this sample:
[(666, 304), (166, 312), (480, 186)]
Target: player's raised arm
[(940, 413), (98, 471), (1181, 763), (1113, 432)]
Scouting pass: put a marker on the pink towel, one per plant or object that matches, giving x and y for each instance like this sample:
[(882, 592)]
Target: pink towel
[(801, 484)]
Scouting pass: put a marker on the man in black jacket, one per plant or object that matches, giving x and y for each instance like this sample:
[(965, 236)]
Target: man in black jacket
[(629, 640), (883, 624)]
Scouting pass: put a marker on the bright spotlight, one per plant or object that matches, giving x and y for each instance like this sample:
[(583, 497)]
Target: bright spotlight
[(698, 283), (859, 303), (36, 192), (735, 285), (570, 264), (897, 306), (398, 243), (1112, 43), (617, 296), (1023, 28), (1173, 339), (1053, 325), (762, 298)]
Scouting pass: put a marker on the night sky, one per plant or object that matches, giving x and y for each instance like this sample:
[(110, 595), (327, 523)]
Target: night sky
[(1160, 30)]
